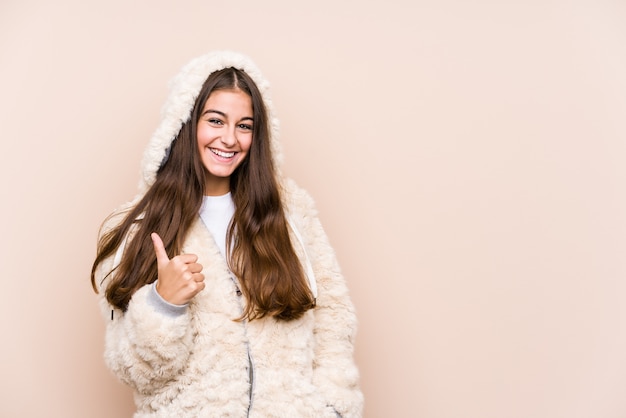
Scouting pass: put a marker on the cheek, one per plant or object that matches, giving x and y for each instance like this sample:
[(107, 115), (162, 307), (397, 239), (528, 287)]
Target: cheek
[(201, 136), (205, 134), (246, 144)]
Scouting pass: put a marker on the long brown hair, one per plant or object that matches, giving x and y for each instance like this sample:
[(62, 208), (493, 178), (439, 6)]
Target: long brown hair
[(261, 254)]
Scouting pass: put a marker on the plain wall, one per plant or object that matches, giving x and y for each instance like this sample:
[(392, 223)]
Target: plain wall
[(467, 159)]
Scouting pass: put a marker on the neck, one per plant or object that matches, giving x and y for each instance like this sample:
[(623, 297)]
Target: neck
[(217, 187)]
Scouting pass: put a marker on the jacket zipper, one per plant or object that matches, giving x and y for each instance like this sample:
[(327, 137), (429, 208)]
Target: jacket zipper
[(250, 362), (251, 377)]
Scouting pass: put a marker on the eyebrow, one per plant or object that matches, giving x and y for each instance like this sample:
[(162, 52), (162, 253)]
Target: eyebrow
[(219, 112)]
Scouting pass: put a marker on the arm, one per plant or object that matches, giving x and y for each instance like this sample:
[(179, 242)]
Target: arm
[(144, 347), (335, 372)]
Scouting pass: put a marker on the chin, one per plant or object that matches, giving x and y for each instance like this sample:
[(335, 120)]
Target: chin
[(221, 173)]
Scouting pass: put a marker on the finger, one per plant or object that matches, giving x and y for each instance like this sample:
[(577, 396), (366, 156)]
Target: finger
[(187, 258), (198, 277), (195, 267), (159, 249)]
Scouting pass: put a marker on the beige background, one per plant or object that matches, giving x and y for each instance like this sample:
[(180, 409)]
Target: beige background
[(467, 159)]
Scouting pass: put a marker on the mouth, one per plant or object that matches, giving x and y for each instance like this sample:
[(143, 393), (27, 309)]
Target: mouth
[(222, 154)]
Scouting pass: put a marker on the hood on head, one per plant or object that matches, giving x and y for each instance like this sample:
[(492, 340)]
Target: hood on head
[(184, 89)]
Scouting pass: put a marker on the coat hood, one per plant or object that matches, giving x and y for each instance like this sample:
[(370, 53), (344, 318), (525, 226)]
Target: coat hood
[(184, 89)]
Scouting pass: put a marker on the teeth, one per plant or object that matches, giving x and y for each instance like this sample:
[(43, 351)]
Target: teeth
[(222, 153)]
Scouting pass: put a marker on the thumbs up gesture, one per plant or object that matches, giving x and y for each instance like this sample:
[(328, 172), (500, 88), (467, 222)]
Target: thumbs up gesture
[(180, 278)]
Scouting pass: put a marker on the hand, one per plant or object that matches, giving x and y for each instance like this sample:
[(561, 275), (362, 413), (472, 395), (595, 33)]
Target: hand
[(180, 279)]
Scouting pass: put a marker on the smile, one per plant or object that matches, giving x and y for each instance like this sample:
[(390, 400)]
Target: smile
[(222, 153)]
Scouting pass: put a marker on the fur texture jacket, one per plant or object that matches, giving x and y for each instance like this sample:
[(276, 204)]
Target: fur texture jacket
[(203, 363)]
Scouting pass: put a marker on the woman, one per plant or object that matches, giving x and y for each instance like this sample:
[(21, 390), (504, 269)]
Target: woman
[(222, 295)]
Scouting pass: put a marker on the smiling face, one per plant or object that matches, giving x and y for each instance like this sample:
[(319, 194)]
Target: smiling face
[(224, 135)]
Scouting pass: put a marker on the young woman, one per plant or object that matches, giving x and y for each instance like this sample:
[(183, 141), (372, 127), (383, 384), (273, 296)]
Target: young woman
[(221, 293)]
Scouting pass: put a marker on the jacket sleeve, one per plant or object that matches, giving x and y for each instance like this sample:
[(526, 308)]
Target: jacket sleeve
[(335, 372), (143, 347)]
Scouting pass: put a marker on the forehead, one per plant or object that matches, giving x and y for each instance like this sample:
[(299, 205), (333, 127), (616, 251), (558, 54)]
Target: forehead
[(229, 96)]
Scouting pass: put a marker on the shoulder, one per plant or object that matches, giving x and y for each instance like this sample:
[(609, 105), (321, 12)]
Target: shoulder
[(117, 216), (297, 199)]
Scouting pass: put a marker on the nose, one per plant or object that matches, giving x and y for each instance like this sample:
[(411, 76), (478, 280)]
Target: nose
[(229, 139)]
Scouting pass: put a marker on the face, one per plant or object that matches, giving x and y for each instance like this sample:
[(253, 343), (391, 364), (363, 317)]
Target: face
[(224, 135)]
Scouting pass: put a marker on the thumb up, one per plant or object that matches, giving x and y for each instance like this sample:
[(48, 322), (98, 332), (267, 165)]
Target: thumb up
[(180, 278)]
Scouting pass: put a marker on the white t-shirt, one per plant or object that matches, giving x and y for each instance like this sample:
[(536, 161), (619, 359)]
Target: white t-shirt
[(216, 213)]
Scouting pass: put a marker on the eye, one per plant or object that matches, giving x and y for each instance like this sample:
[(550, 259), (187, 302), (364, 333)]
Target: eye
[(245, 126), (215, 121)]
